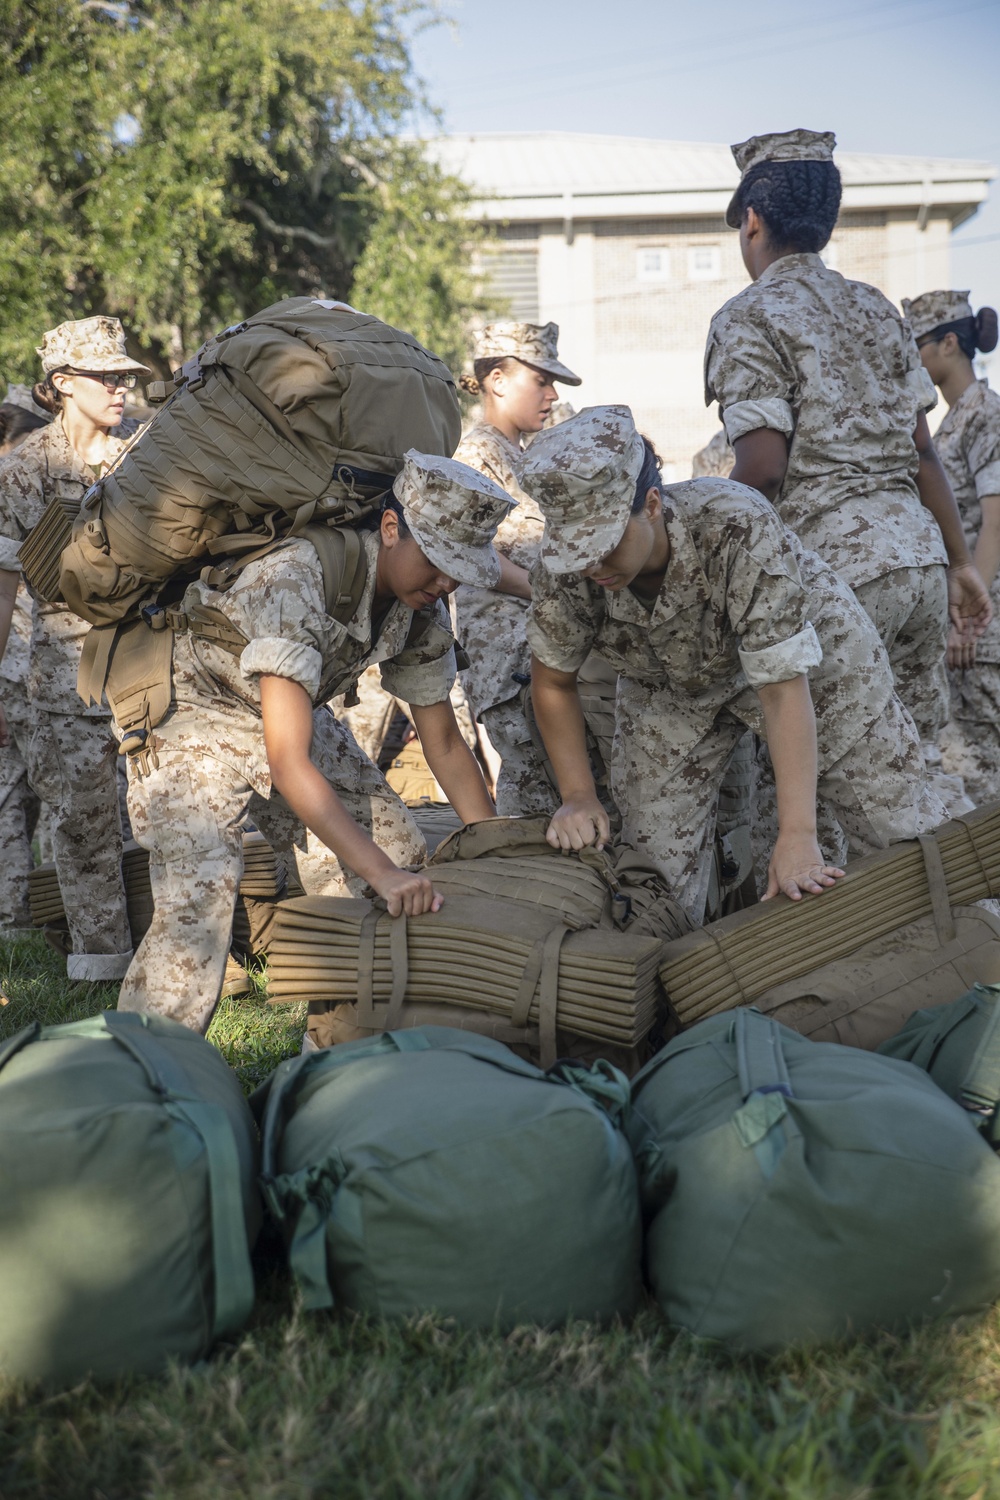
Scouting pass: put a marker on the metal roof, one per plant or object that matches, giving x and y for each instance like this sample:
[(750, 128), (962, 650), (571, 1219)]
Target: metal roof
[(560, 174)]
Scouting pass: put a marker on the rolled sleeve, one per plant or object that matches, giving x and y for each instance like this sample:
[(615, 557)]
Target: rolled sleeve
[(922, 388), (274, 657), (987, 482), (750, 416), (783, 660), (10, 561)]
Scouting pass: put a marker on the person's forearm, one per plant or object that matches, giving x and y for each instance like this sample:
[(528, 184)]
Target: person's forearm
[(791, 738), (9, 581), (936, 495), (314, 801), (452, 763), (514, 580), (987, 553), (559, 715)]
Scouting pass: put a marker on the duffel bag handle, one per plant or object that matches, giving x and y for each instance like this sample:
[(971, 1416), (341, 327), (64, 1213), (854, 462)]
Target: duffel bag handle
[(980, 1090), (759, 1057)]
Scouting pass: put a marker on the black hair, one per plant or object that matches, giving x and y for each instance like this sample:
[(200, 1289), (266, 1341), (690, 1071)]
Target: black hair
[(978, 333), (389, 502), (16, 422), (798, 201), (46, 395), (473, 384), (650, 475)]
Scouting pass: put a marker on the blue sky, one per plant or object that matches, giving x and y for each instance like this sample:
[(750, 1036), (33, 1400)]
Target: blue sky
[(908, 76)]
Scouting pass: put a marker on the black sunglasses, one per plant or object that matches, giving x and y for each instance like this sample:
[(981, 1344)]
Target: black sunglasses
[(112, 380)]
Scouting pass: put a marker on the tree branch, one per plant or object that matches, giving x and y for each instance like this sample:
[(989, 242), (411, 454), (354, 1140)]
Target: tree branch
[(287, 231)]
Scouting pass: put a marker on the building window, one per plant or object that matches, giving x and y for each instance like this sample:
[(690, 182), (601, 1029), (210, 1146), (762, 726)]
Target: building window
[(511, 277), (704, 263), (653, 264)]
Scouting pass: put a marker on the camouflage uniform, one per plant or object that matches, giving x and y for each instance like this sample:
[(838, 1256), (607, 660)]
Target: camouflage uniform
[(968, 442), (491, 628), (69, 750), (715, 460), (742, 604), (208, 765), (832, 365), (18, 804), (370, 718)]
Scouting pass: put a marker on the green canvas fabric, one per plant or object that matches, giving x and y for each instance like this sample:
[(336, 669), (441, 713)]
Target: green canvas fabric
[(958, 1046), (300, 413), (797, 1191), (432, 1170), (128, 1198)]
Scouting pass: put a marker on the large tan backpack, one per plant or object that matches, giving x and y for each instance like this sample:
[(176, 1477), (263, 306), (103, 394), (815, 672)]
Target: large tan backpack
[(300, 413)]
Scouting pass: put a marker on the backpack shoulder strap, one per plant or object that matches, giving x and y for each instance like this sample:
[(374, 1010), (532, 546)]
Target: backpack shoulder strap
[(342, 556)]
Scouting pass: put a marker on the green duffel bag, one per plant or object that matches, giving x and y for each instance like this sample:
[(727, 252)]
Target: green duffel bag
[(799, 1191), (958, 1045), (432, 1170), (128, 1198)]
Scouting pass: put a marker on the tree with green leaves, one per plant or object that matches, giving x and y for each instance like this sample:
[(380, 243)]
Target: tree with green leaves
[(181, 164)]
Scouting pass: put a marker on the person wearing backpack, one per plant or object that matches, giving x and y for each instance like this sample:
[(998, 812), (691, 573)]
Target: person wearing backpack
[(516, 367), (717, 619), (948, 334), (251, 664), (68, 749)]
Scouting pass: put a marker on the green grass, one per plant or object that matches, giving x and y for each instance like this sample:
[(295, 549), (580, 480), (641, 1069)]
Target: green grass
[(308, 1406)]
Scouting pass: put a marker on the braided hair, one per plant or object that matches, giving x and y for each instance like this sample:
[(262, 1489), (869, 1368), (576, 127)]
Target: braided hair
[(798, 201)]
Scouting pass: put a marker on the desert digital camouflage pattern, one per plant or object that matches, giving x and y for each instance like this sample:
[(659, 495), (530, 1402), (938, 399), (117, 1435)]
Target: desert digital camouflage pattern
[(831, 364), (453, 512), (96, 344), (742, 604), (189, 801), (534, 344), (491, 628), (596, 453), (370, 718), (715, 460), (69, 751), (968, 442), (929, 311), (18, 810)]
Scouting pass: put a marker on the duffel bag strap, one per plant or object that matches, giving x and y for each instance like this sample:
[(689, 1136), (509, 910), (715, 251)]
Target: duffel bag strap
[(232, 1272), (980, 1090), (14, 1044), (759, 1058)]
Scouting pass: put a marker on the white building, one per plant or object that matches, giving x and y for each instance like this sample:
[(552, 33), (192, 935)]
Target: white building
[(623, 243)]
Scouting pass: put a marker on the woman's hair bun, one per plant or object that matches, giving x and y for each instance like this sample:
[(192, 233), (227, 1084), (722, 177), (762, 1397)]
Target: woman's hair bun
[(470, 384), (986, 329), (47, 397)]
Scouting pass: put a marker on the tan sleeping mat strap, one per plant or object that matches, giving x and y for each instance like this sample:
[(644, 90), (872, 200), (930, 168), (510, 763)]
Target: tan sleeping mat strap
[(399, 959), (399, 956), (366, 968), (937, 885), (541, 974)]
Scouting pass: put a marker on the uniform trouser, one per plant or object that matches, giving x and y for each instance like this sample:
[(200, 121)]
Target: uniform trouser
[(524, 789), (667, 771), (188, 811), (71, 762), (18, 813), (909, 608), (970, 744)]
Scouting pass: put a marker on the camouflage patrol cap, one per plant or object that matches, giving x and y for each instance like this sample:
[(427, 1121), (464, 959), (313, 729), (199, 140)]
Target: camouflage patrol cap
[(780, 145), (533, 343), (453, 513), (96, 344), (583, 475), (929, 311)]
